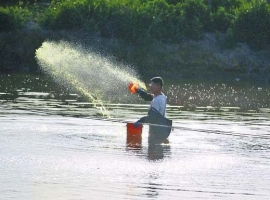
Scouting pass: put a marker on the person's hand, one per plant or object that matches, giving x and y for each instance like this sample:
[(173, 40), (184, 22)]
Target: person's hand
[(133, 87), (137, 124), (139, 90)]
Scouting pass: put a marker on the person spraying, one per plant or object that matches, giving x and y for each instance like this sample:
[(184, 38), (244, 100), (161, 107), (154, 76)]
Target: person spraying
[(160, 126)]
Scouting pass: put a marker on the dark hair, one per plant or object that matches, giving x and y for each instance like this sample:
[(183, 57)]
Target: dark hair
[(158, 80)]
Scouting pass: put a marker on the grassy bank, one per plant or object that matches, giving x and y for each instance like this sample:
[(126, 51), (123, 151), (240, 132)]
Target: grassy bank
[(168, 36), (139, 20)]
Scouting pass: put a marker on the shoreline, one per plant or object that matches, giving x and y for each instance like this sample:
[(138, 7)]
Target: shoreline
[(205, 59)]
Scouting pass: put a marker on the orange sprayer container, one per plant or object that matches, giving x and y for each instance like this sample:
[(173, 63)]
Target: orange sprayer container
[(133, 87)]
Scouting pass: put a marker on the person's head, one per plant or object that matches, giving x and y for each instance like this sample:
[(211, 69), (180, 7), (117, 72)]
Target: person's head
[(156, 85)]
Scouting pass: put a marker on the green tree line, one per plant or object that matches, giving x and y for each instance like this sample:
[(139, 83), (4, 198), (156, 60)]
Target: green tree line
[(135, 21)]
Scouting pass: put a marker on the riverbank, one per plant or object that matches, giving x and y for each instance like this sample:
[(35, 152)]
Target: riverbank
[(203, 59)]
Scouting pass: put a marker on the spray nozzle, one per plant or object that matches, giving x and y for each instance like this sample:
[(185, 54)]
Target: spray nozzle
[(133, 87)]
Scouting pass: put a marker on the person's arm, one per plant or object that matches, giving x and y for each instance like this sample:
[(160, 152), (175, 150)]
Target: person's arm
[(144, 95), (150, 118)]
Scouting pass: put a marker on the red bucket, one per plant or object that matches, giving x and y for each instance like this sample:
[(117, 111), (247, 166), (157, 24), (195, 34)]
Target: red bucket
[(131, 130), (134, 135)]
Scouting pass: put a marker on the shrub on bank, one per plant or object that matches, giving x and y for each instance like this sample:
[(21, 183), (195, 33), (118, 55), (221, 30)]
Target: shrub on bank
[(252, 26), (7, 22), (229, 5), (222, 20), (13, 18), (144, 20), (131, 20), (196, 18)]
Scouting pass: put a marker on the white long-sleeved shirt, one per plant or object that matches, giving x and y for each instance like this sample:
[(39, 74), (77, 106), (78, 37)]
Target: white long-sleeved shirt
[(159, 103)]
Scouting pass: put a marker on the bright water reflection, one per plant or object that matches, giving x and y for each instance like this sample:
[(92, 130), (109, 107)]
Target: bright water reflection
[(56, 146)]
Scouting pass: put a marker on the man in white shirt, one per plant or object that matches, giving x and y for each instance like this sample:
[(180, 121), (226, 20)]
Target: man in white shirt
[(160, 127)]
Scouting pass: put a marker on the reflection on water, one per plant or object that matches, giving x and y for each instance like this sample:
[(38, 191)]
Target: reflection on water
[(54, 145), (157, 151)]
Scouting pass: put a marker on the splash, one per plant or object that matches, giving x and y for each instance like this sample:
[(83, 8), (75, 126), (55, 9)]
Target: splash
[(90, 74)]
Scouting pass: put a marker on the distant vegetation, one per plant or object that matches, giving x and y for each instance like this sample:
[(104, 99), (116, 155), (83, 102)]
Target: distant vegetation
[(136, 21)]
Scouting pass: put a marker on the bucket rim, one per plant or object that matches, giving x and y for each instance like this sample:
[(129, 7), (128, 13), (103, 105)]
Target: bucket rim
[(132, 123)]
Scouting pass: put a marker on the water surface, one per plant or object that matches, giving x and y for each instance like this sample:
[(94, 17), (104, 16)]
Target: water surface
[(55, 145)]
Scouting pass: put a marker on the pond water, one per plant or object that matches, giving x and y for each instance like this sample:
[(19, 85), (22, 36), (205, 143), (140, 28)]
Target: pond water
[(55, 145)]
